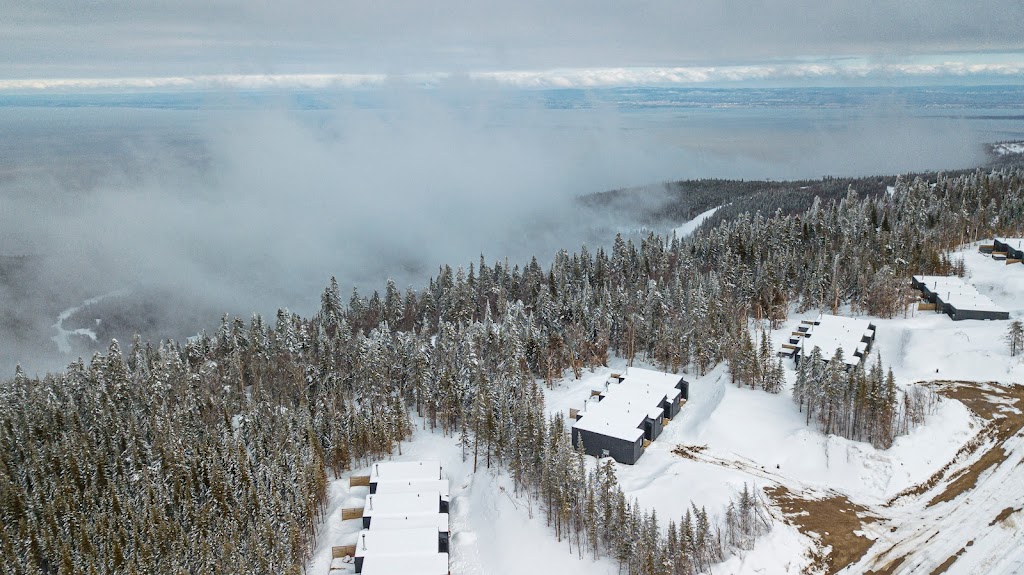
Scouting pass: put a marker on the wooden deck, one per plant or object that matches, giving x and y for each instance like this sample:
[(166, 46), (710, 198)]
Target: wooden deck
[(351, 513), (359, 481), (339, 551)]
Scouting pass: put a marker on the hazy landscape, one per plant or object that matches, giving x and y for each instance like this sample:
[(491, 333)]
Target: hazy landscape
[(190, 206), (491, 288)]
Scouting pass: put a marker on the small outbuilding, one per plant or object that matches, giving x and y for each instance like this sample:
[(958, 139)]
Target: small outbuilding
[(1012, 249)]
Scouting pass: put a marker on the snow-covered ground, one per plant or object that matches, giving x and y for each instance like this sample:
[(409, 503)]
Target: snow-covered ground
[(760, 439), (1008, 148), (688, 228)]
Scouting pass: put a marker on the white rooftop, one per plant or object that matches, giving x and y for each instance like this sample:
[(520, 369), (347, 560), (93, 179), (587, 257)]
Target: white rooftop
[(832, 332), (625, 401), (413, 486), (410, 564), (417, 540), (405, 470), (962, 296), (624, 406), (401, 503), (437, 521)]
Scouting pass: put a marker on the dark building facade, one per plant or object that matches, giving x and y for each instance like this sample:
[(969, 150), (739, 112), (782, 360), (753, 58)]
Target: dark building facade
[(618, 424), (1014, 249)]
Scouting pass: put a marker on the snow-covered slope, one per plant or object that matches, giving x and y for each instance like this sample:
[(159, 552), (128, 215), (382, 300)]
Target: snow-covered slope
[(749, 436), (688, 228)]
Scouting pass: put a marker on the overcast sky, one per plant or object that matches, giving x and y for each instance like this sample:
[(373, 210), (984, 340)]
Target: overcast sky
[(525, 42)]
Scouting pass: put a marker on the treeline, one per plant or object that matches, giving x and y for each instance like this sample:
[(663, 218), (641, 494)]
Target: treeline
[(601, 521), (796, 197), (756, 364), (208, 455), (858, 403), (674, 202)]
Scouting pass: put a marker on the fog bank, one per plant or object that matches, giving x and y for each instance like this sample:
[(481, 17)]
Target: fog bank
[(192, 213)]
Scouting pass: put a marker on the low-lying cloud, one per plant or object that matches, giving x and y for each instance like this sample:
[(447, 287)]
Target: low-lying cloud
[(249, 210), (188, 214)]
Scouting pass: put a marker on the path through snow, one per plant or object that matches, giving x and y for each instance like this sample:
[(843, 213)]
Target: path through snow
[(63, 337)]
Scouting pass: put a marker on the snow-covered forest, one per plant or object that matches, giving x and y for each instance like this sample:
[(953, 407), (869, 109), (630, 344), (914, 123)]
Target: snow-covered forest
[(214, 455)]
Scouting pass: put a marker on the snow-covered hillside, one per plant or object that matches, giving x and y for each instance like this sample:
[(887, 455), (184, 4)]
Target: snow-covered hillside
[(915, 507), (1008, 148), (689, 227)]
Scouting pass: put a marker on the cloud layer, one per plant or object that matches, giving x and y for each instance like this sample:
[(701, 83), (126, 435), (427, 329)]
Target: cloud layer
[(832, 72), (188, 39)]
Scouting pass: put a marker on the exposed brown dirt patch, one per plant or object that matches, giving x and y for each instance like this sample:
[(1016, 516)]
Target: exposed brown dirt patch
[(890, 568), (1003, 515), (832, 521), (945, 565)]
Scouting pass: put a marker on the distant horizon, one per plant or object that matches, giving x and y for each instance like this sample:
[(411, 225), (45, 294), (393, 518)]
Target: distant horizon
[(960, 71), (100, 90)]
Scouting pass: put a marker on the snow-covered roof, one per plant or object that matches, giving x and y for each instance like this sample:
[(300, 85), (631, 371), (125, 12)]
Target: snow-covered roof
[(417, 540), (638, 375), (624, 406), (962, 296), (378, 504), (435, 520), (1013, 242), (639, 397), (414, 486), (405, 470), (620, 424), (410, 564), (831, 332)]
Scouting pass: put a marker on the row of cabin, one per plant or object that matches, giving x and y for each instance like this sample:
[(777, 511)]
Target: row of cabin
[(1010, 250), (830, 333), (628, 413), (404, 520), (959, 300)]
